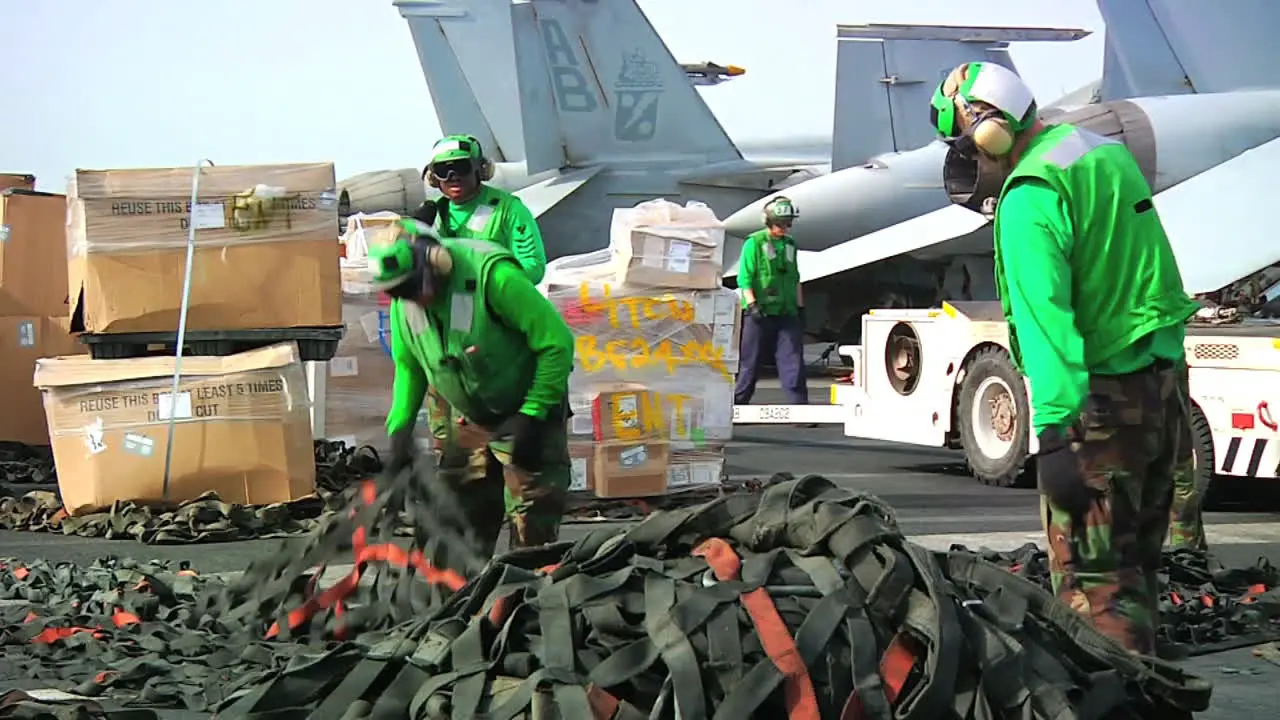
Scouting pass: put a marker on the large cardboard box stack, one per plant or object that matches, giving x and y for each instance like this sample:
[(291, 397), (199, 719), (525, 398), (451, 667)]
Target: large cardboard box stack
[(656, 353), (358, 395), (242, 428), (33, 302), (266, 248)]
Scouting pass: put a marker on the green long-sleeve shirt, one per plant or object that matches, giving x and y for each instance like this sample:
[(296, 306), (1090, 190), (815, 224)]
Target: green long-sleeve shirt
[(512, 298), (517, 229), (1039, 237)]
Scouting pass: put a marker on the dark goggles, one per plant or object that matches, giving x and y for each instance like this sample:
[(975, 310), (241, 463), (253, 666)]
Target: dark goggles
[(453, 169)]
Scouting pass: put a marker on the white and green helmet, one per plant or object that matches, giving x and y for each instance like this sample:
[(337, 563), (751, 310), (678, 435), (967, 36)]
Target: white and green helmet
[(780, 208), (984, 82)]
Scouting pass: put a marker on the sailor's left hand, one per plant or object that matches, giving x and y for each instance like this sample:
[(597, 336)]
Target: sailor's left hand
[(1061, 478)]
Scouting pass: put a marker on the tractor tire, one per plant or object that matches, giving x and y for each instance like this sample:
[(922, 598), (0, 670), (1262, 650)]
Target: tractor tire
[(992, 415)]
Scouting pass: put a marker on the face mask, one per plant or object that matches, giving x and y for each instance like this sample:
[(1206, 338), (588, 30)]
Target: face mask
[(973, 179)]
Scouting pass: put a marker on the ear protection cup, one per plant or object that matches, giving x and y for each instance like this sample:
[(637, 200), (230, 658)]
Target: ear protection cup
[(989, 130), (993, 136), (486, 169)]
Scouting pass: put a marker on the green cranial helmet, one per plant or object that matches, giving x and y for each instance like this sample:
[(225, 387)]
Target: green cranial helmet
[(456, 147), (781, 209), (395, 263), (981, 82)]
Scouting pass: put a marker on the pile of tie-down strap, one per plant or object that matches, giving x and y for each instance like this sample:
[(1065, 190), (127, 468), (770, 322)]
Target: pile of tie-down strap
[(29, 501), (805, 601)]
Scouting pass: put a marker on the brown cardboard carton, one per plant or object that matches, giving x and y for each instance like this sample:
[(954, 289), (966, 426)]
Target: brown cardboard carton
[(661, 244), (23, 340), (243, 428), (33, 253), (626, 412), (631, 469), (17, 180), (266, 248), (358, 395), (696, 468)]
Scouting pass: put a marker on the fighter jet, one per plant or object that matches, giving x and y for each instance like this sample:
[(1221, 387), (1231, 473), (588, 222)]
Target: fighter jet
[(604, 117), (1190, 90)]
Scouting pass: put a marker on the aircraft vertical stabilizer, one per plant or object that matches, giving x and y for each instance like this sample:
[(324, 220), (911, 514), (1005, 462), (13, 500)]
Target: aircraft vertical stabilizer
[(1174, 47), (467, 52), (618, 92), (885, 74)]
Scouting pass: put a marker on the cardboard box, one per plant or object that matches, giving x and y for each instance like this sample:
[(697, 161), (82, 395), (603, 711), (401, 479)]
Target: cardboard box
[(33, 253), (17, 180), (661, 244), (23, 340), (266, 248), (629, 413), (243, 428), (695, 469), (358, 395), (630, 469), (668, 409)]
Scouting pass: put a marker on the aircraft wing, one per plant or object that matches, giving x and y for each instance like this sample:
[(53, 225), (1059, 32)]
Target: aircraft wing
[(542, 196), (1221, 222), (949, 223)]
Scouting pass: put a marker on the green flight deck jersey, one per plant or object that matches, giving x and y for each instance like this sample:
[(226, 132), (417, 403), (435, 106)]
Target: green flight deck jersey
[(499, 217), (768, 267), (490, 344), (1085, 272)]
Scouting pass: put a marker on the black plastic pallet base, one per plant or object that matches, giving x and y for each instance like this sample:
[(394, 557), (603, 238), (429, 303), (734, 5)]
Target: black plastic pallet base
[(314, 344)]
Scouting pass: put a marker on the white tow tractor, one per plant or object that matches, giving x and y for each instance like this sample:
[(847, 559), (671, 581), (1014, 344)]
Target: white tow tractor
[(944, 378)]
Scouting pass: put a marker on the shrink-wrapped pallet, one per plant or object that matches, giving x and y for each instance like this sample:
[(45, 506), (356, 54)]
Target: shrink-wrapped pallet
[(652, 386)]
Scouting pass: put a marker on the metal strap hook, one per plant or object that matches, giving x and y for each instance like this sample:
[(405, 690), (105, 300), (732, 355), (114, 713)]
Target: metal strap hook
[(182, 321)]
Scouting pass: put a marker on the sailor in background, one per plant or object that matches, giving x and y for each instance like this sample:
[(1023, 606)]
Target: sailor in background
[(472, 209), (773, 306)]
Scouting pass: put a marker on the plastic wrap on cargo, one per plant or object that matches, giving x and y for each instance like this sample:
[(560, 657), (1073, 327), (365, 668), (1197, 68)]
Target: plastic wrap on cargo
[(363, 231), (569, 272), (661, 244), (625, 333), (114, 211), (358, 395)]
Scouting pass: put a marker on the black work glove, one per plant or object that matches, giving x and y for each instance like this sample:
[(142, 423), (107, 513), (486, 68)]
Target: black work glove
[(426, 213), (403, 450), (526, 435), (800, 314), (1060, 476), (753, 309)]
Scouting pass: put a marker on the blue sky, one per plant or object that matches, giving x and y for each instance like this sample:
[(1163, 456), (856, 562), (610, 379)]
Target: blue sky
[(159, 83)]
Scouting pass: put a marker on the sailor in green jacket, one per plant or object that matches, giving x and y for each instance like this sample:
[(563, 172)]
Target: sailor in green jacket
[(1096, 311), (472, 209), (466, 321)]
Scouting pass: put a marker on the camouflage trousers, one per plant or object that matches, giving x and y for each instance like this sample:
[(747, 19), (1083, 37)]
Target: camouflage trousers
[(1133, 443), (491, 489)]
